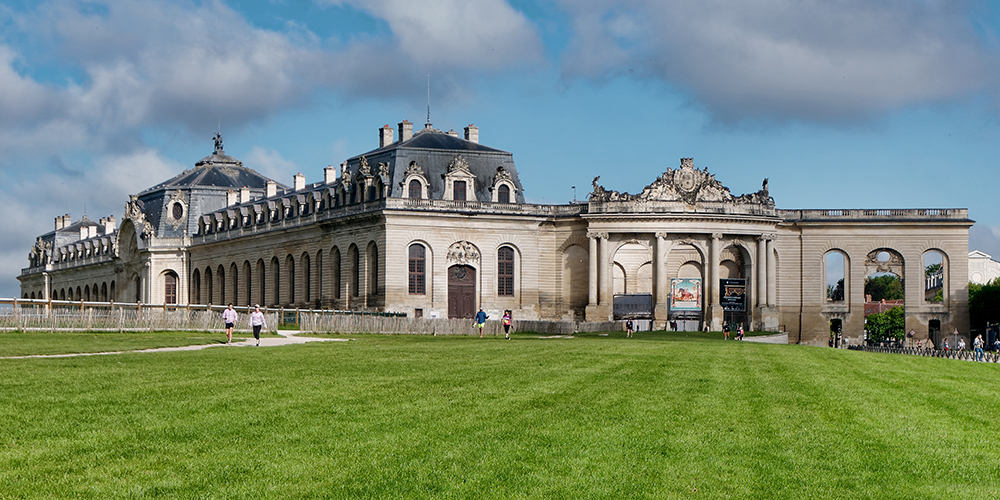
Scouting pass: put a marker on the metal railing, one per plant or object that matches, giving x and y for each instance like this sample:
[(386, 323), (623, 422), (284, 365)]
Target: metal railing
[(965, 355)]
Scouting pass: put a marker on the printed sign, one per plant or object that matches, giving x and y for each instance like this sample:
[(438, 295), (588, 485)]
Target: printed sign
[(685, 294), (734, 294)]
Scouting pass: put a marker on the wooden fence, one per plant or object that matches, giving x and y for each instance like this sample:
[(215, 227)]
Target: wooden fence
[(63, 315)]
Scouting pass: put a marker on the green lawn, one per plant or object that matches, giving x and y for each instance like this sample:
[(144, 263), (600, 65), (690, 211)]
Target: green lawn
[(658, 416), (48, 343)]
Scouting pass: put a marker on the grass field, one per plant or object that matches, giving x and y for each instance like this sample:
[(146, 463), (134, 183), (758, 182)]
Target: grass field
[(47, 343), (659, 416)]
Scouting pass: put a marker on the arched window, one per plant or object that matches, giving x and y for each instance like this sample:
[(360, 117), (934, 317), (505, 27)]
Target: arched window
[(196, 287), (247, 284), (416, 190), (262, 282), (372, 264), (113, 292), (104, 291), (503, 194), (306, 278), (505, 271), (372, 193), (86, 293), (418, 279), (208, 285), (290, 270), (170, 288), (275, 281), (354, 261), (335, 267), (234, 292)]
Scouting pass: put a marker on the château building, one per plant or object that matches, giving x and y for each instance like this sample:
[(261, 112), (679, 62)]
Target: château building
[(431, 224)]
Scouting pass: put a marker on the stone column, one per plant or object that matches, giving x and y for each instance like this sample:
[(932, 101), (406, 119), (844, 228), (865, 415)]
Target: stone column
[(604, 272), (772, 272), (714, 317), (661, 309), (761, 265), (592, 275)]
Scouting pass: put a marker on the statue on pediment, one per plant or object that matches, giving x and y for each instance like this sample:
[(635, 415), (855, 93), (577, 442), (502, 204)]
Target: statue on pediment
[(459, 164)]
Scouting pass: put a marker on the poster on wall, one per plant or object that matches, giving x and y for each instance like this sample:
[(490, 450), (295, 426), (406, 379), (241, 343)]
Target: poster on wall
[(734, 294), (685, 294)]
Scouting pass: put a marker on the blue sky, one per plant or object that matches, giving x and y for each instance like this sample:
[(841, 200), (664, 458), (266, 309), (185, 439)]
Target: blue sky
[(841, 104)]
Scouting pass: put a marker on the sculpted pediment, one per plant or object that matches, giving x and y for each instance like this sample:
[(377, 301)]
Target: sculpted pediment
[(686, 184)]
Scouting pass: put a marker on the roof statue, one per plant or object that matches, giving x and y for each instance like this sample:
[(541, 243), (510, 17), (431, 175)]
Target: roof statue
[(218, 143)]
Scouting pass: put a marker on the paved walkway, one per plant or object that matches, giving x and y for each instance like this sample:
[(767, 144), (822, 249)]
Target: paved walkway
[(288, 337), (778, 338)]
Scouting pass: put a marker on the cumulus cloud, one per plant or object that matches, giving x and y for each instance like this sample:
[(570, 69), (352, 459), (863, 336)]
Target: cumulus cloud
[(783, 59), (270, 163)]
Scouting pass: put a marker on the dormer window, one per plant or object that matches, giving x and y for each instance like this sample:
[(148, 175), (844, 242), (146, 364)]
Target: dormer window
[(459, 190), (503, 194), (416, 190), (177, 210)]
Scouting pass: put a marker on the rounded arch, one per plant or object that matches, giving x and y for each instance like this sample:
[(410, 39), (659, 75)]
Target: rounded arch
[(275, 281), (354, 276), (113, 292), (937, 269), (306, 266), (417, 256), (885, 272), (86, 293), (32, 296), (104, 291), (79, 293), (247, 284), (261, 283), (372, 265), (508, 258), (234, 284), (196, 286), (836, 275), (290, 279), (629, 256), (220, 277), (170, 284), (318, 267), (209, 292), (335, 281)]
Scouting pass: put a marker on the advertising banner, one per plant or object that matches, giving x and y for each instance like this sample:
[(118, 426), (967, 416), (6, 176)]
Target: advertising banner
[(734, 294), (685, 294)]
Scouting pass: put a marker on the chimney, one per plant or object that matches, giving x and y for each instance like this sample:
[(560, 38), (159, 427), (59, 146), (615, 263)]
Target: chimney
[(405, 130), (299, 181), (472, 133), (271, 189), (109, 224), (244, 194), (67, 221), (83, 232), (59, 223), (91, 231), (384, 136), (329, 175), (452, 133), (230, 198)]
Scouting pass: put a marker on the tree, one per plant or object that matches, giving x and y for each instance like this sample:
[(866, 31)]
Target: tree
[(886, 326), (835, 293), (984, 304), (931, 269), (888, 287)]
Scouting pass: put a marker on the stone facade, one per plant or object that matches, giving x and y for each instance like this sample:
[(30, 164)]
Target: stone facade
[(982, 268), (433, 225)]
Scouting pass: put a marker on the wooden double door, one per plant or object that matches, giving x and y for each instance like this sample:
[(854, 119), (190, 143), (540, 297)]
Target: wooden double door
[(461, 291)]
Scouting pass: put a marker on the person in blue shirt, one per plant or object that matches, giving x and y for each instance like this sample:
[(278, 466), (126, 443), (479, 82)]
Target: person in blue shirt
[(481, 321)]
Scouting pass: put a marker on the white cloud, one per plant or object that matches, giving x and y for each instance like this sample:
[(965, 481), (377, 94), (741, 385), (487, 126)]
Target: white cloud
[(482, 34), (270, 163), (811, 60)]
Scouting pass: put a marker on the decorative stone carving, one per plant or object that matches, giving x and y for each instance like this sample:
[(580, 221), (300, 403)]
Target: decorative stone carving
[(458, 164), (502, 175), (893, 265), (686, 184), (176, 196), (133, 211), (463, 252), (598, 234), (662, 234), (414, 169)]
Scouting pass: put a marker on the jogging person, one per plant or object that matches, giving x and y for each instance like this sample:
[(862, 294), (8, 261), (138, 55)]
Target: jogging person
[(230, 316), (481, 321), (257, 322), (507, 317)]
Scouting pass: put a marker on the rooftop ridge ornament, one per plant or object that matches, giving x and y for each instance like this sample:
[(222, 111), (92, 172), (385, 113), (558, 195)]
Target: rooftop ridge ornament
[(218, 143)]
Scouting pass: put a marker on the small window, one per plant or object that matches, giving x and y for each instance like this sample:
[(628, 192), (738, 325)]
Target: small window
[(372, 193), (417, 274), (416, 190), (418, 313), (170, 288), (505, 271), (178, 210), (503, 194), (459, 189)]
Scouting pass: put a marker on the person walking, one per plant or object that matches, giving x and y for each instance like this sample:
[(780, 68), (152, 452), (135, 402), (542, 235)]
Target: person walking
[(230, 316), (628, 328), (977, 347), (739, 333), (507, 318), (725, 331), (945, 346), (481, 321), (961, 344), (257, 322)]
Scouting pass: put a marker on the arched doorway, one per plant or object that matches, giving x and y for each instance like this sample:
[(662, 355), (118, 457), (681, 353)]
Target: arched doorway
[(461, 291)]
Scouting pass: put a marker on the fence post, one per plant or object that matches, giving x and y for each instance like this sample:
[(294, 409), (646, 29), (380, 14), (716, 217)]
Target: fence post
[(17, 316)]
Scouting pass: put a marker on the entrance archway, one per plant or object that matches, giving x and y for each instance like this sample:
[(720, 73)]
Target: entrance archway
[(461, 291)]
